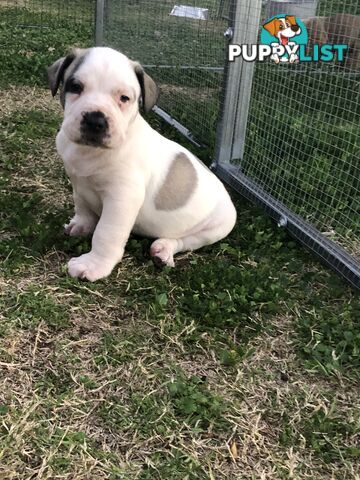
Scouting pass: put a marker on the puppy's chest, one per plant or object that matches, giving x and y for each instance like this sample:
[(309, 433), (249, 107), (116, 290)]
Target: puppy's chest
[(85, 188)]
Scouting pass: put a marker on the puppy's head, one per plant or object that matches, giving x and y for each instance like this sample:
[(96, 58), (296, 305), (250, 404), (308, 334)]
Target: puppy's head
[(100, 92), (283, 28)]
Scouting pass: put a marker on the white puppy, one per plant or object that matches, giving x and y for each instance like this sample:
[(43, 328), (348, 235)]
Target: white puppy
[(125, 175)]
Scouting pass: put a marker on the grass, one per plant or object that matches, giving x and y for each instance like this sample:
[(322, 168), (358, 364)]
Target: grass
[(240, 363), (36, 38), (304, 152)]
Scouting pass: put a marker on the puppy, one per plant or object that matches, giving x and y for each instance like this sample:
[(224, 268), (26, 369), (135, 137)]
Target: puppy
[(283, 29), (125, 175)]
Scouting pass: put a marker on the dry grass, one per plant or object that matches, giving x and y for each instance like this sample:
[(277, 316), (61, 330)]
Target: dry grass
[(16, 98), (86, 371)]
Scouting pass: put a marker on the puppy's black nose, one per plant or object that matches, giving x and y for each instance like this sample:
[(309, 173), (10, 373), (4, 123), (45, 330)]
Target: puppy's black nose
[(95, 122), (295, 28)]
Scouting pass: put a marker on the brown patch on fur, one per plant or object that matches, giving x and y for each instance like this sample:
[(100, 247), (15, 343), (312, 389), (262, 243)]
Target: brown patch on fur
[(337, 29), (316, 31), (149, 89), (179, 184)]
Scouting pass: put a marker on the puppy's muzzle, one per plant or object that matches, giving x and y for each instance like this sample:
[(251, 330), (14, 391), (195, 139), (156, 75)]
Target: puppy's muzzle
[(295, 28), (94, 128)]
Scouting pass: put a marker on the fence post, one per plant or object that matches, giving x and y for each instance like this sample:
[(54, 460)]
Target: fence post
[(99, 23), (232, 127)]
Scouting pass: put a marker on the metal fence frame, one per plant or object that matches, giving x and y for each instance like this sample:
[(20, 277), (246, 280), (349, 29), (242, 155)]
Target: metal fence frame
[(99, 22), (100, 16), (231, 142), (231, 135)]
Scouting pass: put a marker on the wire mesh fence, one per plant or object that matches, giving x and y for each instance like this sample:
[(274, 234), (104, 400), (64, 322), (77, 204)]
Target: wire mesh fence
[(302, 137), (299, 139), (183, 49), (47, 13), (36, 32), (303, 146)]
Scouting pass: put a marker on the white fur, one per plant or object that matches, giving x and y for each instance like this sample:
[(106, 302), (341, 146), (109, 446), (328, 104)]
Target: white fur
[(114, 187)]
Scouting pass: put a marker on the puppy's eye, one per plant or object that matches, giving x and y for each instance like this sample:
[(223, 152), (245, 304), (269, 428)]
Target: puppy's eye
[(74, 87), (124, 99), (287, 24), (281, 27)]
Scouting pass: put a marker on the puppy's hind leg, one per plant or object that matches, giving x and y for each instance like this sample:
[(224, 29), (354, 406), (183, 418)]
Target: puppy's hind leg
[(217, 226)]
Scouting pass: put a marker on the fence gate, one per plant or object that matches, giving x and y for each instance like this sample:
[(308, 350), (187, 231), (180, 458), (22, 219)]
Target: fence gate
[(286, 136)]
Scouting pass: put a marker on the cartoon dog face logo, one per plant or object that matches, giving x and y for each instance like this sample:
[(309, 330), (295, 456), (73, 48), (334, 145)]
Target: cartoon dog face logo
[(284, 29)]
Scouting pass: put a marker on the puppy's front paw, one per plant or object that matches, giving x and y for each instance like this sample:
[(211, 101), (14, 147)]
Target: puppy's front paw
[(89, 267), (79, 227)]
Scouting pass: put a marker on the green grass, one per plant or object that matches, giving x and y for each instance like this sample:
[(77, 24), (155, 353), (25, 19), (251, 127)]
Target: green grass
[(36, 38), (151, 375), (304, 152), (240, 363), (321, 427)]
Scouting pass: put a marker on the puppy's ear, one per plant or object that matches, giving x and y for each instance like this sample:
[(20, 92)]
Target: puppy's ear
[(291, 19), (57, 70), (271, 26), (149, 89)]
